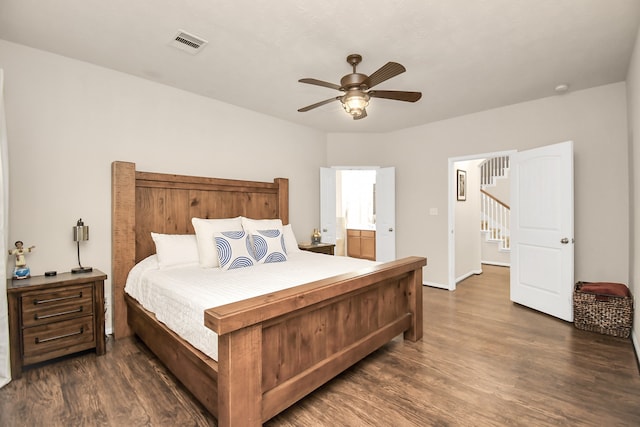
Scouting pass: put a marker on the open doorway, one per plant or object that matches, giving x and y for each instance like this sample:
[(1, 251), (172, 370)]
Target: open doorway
[(541, 227), (466, 216), (357, 211)]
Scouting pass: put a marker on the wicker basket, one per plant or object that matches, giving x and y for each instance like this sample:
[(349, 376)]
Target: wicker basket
[(606, 314)]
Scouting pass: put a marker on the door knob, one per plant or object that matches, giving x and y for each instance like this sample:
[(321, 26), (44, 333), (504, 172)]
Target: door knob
[(390, 229), (564, 241)]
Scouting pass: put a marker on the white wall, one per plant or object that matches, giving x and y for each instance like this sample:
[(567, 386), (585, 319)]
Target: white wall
[(501, 189), (594, 119), (68, 120), (633, 103), (467, 220)]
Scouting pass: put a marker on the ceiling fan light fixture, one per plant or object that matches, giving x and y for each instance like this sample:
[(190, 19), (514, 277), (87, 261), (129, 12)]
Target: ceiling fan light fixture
[(356, 87), (355, 102)]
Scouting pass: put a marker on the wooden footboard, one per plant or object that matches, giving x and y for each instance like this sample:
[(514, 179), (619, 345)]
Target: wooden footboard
[(277, 348)]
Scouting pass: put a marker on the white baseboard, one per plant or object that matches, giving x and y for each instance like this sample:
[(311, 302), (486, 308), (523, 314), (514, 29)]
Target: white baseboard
[(467, 275), (499, 264), (443, 286), (434, 285)]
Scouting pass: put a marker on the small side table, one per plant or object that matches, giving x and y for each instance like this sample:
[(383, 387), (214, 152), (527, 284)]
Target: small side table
[(320, 248), (54, 316)]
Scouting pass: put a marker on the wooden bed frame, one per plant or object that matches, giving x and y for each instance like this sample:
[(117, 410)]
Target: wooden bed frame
[(273, 349)]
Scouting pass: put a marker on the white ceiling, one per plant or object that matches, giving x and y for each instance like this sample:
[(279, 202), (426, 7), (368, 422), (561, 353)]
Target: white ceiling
[(463, 55)]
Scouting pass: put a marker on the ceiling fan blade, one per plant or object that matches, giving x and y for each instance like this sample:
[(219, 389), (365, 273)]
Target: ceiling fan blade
[(397, 95), (390, 69), (361, 116), (320, 83), (317, 104)]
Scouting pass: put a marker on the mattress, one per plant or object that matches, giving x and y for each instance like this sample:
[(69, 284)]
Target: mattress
[(178, 296)]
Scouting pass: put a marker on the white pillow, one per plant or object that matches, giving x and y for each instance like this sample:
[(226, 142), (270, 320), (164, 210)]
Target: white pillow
[(268, 246), (234, 249), (205, 228), (290, 242), (251, 225), (175, 249)]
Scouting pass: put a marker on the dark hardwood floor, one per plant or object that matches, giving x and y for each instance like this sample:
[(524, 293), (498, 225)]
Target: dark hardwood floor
[(483, 361)]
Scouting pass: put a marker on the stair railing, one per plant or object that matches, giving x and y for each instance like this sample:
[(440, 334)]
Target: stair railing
[(492, 168), (495, 219)]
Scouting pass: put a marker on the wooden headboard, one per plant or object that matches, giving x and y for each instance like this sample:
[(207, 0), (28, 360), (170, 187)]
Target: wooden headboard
[(142, 202)]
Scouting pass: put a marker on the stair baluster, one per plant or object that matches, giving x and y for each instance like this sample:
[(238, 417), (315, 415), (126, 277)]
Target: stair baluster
[(495, 219)]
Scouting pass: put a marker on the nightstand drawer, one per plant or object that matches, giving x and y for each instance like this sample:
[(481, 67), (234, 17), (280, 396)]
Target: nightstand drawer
[(39, 308), (57, 339)]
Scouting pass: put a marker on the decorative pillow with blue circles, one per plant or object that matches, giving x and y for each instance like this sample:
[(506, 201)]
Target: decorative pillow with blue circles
[(234, 249), (268, 246)]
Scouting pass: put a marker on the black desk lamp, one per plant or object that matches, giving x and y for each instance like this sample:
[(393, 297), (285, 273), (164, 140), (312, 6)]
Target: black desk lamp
[(80, 232)]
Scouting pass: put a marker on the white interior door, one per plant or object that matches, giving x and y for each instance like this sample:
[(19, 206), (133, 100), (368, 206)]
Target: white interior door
[(542, 256), (385, 214), (328, 205)]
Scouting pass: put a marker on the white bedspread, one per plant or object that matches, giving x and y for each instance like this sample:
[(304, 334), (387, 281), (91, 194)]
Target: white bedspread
[(178, 296)]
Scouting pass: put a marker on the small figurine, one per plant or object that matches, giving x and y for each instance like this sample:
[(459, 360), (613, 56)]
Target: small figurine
[(21, 271)]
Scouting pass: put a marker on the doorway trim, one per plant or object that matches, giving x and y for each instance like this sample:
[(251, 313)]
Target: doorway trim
[(451, 201)]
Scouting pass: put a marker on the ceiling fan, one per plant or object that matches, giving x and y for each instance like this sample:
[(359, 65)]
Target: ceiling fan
[(356, 88)]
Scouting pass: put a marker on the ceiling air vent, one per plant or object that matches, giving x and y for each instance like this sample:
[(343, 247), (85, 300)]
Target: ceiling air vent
[(188, 42)]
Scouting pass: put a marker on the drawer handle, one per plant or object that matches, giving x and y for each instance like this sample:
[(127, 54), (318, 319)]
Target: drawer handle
[(44, 301), (47, 316), (39, 341)]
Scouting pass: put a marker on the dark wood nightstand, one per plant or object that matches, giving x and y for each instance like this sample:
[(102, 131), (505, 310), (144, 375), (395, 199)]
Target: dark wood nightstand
[(321, 248), (55, 316)]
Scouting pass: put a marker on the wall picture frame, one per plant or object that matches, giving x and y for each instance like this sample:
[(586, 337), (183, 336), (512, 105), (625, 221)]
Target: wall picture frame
[(461, 180)]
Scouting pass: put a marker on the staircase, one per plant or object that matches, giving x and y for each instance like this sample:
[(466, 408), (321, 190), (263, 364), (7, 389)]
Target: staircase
[(491, 169), (495, 215)]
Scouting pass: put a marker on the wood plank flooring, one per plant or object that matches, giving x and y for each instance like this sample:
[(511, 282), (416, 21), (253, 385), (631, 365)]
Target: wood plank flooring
[(483, 361)]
